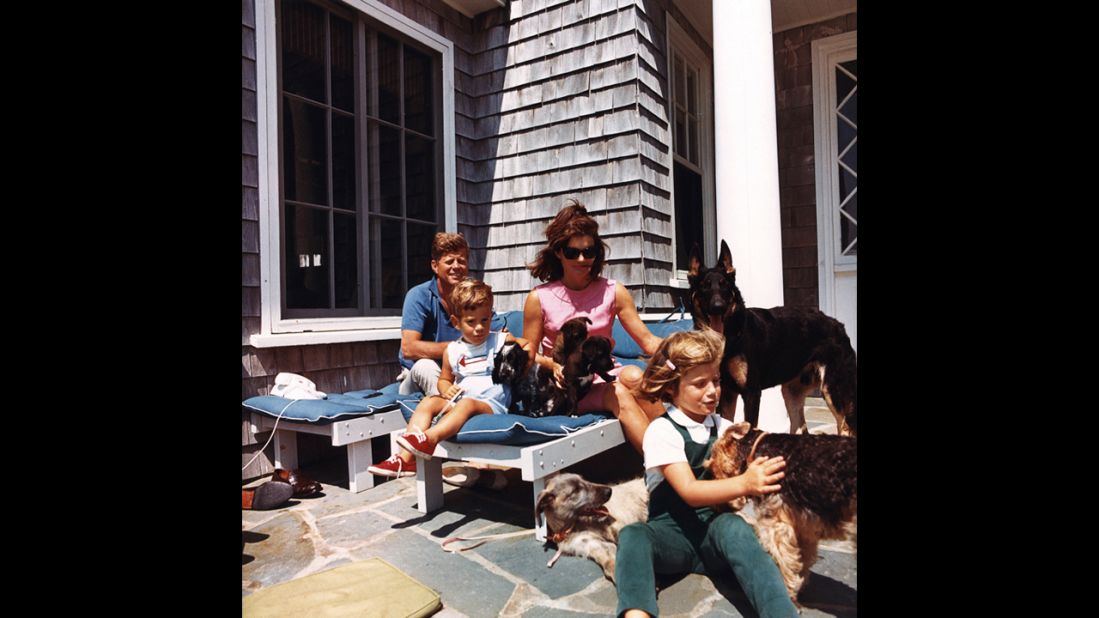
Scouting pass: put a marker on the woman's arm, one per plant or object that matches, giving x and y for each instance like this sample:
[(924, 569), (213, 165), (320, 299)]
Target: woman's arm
[(627, 314), (760, 478), (532, 329), (525, 345)]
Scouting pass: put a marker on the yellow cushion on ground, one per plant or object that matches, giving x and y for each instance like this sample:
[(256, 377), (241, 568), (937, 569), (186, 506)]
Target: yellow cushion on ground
[(369, 588)]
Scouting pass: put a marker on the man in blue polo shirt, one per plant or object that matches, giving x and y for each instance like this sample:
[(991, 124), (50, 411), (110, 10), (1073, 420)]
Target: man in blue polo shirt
[(425, 318)]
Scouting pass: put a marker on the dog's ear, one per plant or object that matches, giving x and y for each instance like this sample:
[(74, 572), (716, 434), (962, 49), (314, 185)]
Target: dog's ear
[(694, 262), (739, 430), (725, 259), (544, 500)]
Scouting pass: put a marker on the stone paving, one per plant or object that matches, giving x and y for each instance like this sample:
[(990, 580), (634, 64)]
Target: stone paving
[(506, 577)]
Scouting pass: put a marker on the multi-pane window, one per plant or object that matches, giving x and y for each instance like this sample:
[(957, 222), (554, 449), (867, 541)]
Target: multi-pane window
[(847, 155), (688, 166), (359, 113)]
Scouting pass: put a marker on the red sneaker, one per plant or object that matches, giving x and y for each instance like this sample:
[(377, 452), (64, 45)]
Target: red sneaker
[(417, 443), (393, 467)]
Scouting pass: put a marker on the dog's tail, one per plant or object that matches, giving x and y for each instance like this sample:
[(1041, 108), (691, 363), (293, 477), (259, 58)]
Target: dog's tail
[(840, 376)]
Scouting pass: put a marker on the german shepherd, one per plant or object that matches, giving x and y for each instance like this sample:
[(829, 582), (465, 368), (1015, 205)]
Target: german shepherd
[(797, 348)]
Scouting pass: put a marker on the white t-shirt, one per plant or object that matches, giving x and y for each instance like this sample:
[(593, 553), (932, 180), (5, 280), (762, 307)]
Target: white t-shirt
[(472, 365), (663, 445)]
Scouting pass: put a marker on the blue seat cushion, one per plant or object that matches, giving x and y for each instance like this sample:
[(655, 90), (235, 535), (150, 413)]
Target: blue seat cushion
[(626, 348), (346, 405), (514, 320), (519, 430)]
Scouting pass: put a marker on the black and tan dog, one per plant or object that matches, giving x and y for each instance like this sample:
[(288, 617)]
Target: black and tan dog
[(818, 499), (797, 348)]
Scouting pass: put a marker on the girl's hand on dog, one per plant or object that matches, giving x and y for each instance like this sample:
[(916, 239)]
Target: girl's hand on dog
[(763, 474)]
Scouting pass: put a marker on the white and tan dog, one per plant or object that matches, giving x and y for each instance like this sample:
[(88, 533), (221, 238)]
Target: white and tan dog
[(584, 518)]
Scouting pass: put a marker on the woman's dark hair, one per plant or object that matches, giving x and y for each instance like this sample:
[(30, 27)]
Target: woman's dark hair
[(571, 221)]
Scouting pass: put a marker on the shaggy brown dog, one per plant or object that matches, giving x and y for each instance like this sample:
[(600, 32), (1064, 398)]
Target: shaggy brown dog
[(585, 517), (818, 499)]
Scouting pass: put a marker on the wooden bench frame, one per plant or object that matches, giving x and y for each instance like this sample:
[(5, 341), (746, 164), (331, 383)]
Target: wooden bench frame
[(354, 433), (538, 462)]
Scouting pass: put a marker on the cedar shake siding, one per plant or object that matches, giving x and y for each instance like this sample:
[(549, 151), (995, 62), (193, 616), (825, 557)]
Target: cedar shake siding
[(797, 180), (570, 103)]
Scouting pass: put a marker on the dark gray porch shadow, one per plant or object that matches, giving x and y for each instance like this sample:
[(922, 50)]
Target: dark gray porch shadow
[(829, 595)]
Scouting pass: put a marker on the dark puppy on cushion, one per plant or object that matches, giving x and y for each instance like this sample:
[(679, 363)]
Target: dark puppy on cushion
[(595, 358), (579, 356), (510, 365)]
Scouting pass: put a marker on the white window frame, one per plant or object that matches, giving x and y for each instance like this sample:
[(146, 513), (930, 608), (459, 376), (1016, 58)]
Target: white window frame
[(826, 53), (679, 41), (275, 330)]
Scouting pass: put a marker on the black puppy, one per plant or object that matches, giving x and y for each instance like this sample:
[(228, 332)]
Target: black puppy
[(510, 365), (795, 347), (579, 356), (537, 395)]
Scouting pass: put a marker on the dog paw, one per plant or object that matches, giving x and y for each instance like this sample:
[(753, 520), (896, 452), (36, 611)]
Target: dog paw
[(608, 570)]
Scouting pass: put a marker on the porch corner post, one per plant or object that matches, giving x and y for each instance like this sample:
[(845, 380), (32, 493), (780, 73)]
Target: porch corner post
[(746, 163)]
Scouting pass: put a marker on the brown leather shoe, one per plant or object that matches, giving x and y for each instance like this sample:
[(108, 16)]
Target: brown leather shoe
[(304, 486), (270, 495)]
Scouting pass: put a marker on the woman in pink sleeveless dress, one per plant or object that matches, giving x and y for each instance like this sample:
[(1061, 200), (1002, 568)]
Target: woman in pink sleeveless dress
[(571, 263)]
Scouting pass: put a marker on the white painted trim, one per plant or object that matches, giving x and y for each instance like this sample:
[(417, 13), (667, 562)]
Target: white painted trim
[(825, 53), (316, 338), (814, 20), (267, 96), (678, 39), (473, 8), (267, 150)]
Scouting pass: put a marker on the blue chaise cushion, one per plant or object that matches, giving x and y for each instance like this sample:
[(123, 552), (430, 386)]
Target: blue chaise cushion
[(519, 430), (351, 404)]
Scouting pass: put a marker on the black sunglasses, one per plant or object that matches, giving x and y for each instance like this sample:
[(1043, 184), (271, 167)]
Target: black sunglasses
[(572, 252)]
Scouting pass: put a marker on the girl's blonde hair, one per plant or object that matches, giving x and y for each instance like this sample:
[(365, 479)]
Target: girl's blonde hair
[(684, 350)]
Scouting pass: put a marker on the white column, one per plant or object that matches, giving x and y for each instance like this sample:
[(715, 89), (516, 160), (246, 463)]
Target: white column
[(746, 163)]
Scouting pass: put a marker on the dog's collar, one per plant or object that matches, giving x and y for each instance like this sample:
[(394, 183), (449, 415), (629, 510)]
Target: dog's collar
[(754, 445), (557, 537)]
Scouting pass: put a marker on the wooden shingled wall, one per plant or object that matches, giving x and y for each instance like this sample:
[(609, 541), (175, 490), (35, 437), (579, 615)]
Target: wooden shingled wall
[(567, 101)]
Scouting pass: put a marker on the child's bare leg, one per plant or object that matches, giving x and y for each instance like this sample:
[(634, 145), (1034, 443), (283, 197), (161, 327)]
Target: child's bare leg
[(451, 422), (425, 411)]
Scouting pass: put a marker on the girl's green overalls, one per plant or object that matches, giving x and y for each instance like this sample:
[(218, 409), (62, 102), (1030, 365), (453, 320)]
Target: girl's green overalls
[(680, 539)]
